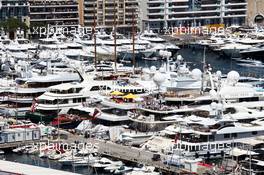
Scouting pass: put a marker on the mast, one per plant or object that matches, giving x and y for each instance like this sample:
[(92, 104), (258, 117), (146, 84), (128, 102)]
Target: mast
[(133, 41), (115, 57), (94, 37), (202, 86)]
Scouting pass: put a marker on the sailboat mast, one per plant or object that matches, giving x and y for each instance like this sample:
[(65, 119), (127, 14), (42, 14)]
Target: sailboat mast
[(202, 85), (115, 56), (133, 42), (94, 37)]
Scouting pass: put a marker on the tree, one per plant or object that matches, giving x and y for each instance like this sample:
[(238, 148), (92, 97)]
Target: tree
[(11, 25)]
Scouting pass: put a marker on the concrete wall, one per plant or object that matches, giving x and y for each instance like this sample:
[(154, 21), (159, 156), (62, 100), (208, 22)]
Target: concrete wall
[(255, 7)]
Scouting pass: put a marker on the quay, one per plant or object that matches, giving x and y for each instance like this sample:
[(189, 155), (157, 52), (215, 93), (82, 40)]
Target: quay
[(14, 168), (18, 144), (129, 154), (135, 155)]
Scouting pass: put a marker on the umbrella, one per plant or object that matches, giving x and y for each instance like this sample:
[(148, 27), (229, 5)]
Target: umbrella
[(117, 93), (130, 96)]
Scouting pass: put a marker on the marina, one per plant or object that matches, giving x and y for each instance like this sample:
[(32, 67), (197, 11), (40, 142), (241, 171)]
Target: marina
[(131, 87), (127, 116)]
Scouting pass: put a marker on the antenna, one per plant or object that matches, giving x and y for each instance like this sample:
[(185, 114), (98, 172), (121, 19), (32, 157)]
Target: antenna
[(202, 86)]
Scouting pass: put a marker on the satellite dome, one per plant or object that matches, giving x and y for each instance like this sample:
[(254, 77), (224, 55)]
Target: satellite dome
[(213, 94), (213, 105), (179, 58), (219, 73), (197, 73), (153, 68), (158, 78), (233, 76)]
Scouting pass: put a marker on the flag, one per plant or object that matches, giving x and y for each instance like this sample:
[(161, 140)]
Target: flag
[(177, 136), (96, 113), (34, 105)]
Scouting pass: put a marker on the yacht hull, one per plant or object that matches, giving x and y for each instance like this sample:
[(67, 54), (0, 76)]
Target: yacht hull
[(232, 53), (259, 55), (36, 117)]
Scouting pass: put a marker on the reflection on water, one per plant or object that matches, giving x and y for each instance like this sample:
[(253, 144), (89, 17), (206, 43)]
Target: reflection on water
[(218, 62), (194, 57), (35, 160)]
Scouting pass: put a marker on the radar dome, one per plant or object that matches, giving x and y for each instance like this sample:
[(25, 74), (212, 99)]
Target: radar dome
[(153, 68), (179, 58), (213, 105), (197, 73), (219, 73), (158, 78), (233, 76)]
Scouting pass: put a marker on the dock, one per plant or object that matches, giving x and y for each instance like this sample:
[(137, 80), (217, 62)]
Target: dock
[(135, 155), (18, 144), (129, 154)]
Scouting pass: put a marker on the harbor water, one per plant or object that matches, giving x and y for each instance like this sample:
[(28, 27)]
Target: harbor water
[(194, 57), (45, 162)]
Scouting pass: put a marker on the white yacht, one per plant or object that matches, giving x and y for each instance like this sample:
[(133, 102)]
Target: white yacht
[(212, 132), (51, 43), (104, 162), (151, 37), (233, 49), (61, 97), (17, 98), (255, 52)]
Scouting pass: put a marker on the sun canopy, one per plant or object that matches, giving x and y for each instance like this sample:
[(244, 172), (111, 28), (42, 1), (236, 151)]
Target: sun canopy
[(130, 96), (117, 93)]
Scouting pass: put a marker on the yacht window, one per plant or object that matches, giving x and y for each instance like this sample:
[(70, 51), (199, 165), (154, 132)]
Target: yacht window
[(234, 135), (226, 135), (70, 90), (64, 101), (105, 88), (254, 132), (77, 90), (95, 88), (77, 100), (230, 110), (211, 137)]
